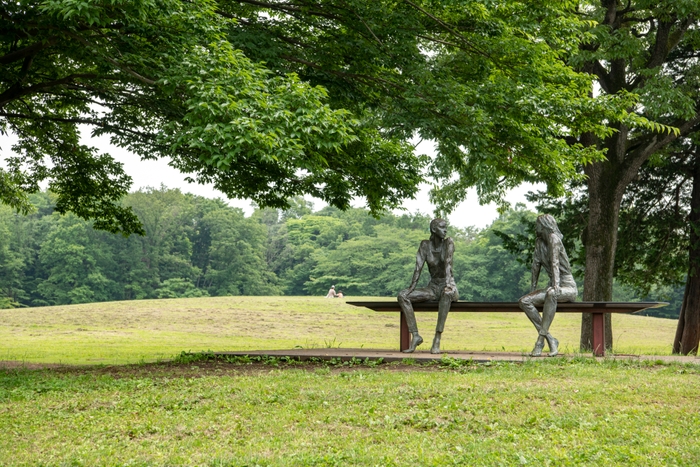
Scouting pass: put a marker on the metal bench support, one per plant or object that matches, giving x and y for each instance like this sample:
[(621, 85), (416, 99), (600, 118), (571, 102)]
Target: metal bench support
[(598, 334)]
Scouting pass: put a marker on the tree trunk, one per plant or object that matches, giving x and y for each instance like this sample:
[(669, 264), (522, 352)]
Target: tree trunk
[(688, 330), (606, 184)]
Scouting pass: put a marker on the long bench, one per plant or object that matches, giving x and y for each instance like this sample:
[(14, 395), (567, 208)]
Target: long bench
[(596, 309)]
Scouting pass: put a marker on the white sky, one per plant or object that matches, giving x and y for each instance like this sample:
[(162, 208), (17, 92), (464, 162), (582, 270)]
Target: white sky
[(154, 173)]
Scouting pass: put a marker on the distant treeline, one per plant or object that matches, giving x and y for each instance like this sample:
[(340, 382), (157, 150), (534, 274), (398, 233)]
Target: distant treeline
[(196, 246)]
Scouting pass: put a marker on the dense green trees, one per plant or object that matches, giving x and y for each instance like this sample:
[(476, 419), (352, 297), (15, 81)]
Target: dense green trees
[(488, 272), (188, 250), (198, 247), (11, 264), (377, 264)]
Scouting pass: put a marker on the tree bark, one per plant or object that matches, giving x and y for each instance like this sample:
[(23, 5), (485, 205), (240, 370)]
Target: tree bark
[(688, 330), (607, 182)]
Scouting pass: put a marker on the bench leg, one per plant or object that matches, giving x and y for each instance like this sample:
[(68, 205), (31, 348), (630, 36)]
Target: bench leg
[(405, 336), (598, 334)]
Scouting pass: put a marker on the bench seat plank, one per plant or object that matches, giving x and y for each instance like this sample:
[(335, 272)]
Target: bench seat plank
[(597, 309), (500, 307)]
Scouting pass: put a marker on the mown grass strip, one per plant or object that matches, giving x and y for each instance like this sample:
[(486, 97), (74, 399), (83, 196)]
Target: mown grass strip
[(275, 412)]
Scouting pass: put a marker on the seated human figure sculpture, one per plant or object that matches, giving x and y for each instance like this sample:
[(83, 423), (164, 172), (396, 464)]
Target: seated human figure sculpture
[(437, 252), (550, 253)]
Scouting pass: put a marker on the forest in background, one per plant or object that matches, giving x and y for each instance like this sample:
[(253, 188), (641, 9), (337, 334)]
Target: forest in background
[(195, 246)]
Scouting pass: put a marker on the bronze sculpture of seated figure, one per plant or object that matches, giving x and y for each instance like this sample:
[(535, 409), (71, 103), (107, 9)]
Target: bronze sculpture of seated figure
[(438, 253)]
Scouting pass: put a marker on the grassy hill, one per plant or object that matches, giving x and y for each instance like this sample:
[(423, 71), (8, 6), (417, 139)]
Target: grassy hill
[(149, 330)]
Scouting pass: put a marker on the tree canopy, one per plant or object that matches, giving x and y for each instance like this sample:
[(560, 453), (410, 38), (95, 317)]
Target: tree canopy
[(160, 77), (269, 100), (482, 79)]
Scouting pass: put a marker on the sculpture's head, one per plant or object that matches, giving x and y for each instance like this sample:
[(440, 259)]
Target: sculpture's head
[(438, 227), (546, 225)]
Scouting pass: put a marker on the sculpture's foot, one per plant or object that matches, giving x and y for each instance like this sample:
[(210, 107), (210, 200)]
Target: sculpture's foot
[(537, 351), (415, 342), (553, 346), (436, 345)]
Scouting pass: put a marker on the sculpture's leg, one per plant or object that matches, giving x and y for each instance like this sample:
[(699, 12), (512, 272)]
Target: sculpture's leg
[(436, 343), (539, 345), (548, 312), (407, 309), (527, 304), (553, 345), (443, 310)]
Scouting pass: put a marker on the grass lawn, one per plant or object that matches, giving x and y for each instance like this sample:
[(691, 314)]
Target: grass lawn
[(271, 412), (213, 413), (149, 330)]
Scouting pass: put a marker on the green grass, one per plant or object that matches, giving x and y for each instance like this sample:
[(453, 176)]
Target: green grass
[(149, 330), (552, 412), (201, 410)]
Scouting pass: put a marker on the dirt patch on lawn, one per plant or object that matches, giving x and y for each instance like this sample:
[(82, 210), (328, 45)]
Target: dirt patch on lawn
[(12, 364), (207, 368)]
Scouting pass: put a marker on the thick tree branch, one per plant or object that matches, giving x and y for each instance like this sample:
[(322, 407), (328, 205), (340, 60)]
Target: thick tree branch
[(643, 151), (660, 50), (283, 7), (602, 74), (83, 121), (448, 28), (610, 13), (16, 91), (27, 51), (627, 9), (677, 35), (666, 40)]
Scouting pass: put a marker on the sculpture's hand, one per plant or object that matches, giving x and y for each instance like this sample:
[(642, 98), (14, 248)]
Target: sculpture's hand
[(450, 286), (556, 291)]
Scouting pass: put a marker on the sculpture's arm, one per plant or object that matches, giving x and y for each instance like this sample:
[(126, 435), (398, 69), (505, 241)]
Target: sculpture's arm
[(536, 265), (420, 261), (449, 254), (555, 247)]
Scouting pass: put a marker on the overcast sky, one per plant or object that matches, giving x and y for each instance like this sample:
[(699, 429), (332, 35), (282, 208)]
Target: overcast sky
[(155, 173)]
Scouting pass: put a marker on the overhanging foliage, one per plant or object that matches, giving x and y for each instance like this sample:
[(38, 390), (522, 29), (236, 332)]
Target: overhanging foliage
[(268, 100)]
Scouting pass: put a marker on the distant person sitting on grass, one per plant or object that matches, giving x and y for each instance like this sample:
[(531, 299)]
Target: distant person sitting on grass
[(340, 294), (331, 292)]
